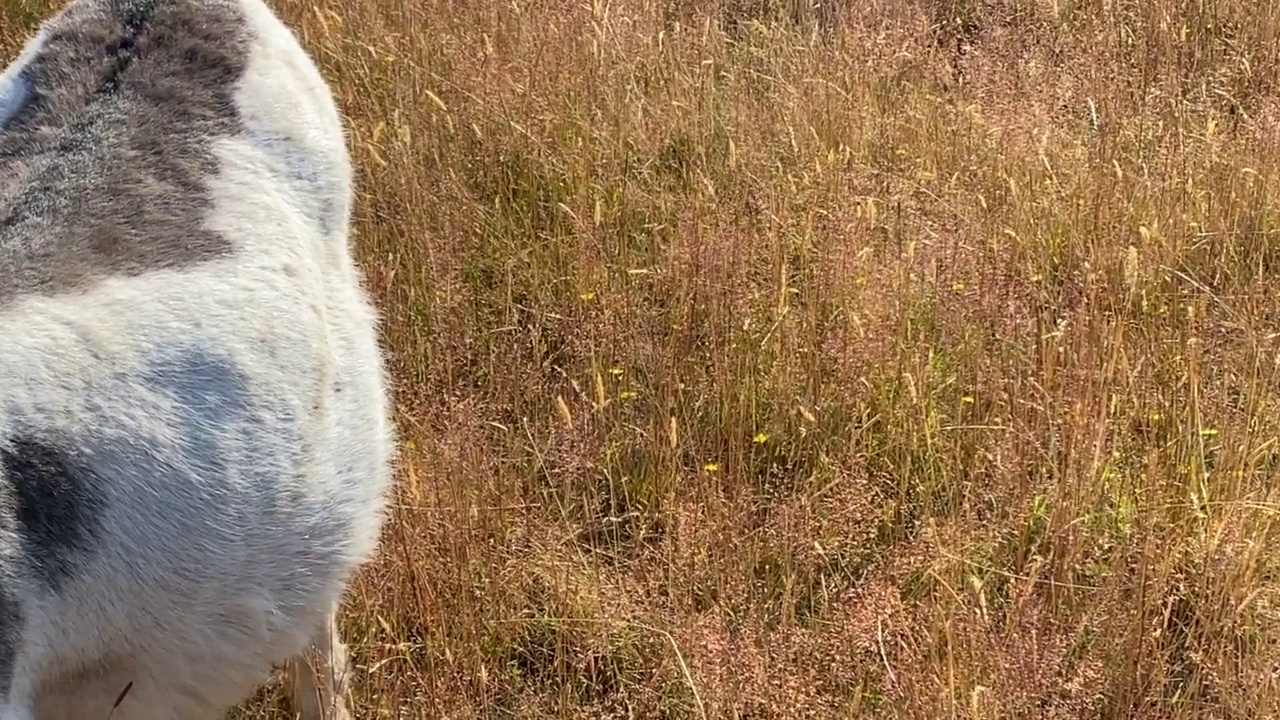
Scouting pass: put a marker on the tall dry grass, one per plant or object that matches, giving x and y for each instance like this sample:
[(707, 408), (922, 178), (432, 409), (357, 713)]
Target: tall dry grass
[(755, 360)]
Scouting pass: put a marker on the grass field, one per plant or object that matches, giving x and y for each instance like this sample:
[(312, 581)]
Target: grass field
[(920, 360)]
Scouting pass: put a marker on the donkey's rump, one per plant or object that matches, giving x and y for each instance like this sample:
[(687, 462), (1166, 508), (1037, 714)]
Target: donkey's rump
[(194, 433)]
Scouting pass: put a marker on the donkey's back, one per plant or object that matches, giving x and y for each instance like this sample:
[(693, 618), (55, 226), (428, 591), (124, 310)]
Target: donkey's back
[(194, 433)]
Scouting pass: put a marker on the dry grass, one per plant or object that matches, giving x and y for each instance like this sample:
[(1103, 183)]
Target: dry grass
[(913, 361)]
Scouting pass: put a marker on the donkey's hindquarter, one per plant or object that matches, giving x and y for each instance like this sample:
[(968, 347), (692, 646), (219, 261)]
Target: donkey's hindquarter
[(194, 433)]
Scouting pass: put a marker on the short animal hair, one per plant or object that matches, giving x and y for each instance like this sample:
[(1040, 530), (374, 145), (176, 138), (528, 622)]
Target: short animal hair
[(196, 445)]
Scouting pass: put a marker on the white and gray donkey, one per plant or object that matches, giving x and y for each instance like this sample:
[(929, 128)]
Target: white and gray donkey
[(195, 441)]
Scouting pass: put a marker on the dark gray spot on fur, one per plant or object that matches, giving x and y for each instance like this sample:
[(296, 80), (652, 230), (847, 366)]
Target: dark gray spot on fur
[(210, 393), (10, 636), (103, 169), (234, 437), (56, 506), (330, 222)]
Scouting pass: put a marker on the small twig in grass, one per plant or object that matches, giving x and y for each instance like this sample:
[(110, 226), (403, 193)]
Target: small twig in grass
[(1015, 576), (542, 466), (893, 678)]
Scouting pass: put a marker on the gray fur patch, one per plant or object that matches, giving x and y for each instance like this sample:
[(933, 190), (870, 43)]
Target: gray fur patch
[(103, 168), (300, 171), (211, 395), (56, 505), (234, 438), (10, 635)]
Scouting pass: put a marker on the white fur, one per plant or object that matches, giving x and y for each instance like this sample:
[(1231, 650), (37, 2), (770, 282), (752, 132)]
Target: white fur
[(191, 597)]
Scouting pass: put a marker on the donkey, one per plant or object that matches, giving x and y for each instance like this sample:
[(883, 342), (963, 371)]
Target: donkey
[(195, 432)]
